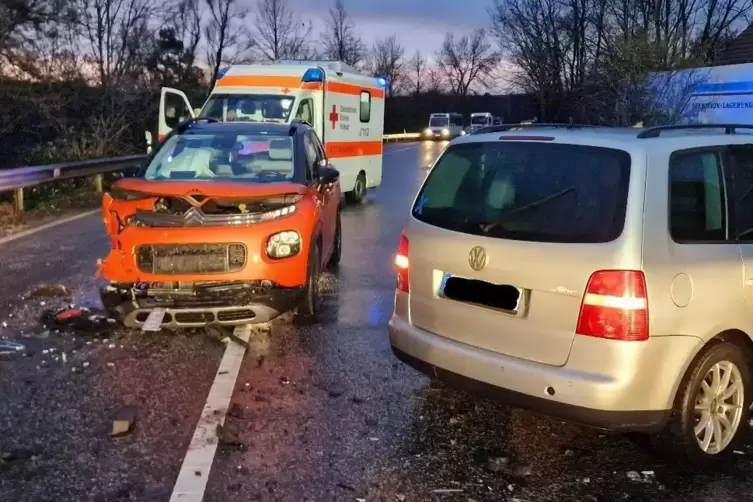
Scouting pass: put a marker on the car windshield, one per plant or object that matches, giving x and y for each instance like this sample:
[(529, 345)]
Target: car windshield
[(439, 122), (480, 120), (534, 191), (224, 156), (248, 108)]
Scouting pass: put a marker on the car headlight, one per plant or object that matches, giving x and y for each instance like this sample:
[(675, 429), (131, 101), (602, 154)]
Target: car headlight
[(445, 132), (284, 245), (462, 133), (427, 131)]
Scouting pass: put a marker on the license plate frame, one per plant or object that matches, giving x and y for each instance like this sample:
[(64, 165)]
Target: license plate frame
[(447, 276)]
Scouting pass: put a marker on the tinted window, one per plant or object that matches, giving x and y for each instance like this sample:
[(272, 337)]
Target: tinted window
[(311, 156), (696, 197), (365, 112), (528, 191), (224, 156), (741, 172), (456, 120)]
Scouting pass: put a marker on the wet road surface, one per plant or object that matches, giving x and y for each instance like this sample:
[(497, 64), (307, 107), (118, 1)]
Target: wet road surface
[(321, 414)]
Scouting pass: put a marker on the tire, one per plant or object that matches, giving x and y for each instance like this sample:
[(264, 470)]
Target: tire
[(308, 310), (358, 193), (334, 259), (680, 435)]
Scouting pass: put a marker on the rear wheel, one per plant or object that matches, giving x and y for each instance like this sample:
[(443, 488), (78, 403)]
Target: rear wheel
[(337, 245), (308, 310), (358, 193), (712, 406)]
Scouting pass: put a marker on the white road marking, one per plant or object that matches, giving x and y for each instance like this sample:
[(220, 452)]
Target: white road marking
[(190, 486), (399, 149), (51, 224)]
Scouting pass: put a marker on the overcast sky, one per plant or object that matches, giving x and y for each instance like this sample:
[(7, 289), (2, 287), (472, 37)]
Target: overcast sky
[(418, 24)]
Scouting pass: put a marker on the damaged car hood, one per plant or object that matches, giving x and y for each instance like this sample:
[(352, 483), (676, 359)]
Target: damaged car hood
[(210, 188)]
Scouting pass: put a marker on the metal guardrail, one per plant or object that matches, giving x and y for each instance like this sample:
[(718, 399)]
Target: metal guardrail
[(17, 179)]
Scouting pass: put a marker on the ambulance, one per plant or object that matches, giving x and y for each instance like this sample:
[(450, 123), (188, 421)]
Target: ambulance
[(345, 108)]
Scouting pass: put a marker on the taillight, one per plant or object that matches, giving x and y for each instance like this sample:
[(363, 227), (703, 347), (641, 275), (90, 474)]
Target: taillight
[(615, 306), (402, 265)]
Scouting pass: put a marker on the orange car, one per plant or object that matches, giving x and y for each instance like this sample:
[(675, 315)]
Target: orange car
[(225, 224)]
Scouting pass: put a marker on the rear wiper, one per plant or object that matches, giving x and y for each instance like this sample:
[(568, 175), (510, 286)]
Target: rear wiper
[(485, 227)]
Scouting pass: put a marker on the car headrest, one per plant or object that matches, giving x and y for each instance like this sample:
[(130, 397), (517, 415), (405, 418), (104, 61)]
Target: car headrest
[(279, 149)]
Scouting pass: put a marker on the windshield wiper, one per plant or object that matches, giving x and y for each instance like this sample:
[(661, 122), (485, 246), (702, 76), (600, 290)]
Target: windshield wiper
[(486, 227)]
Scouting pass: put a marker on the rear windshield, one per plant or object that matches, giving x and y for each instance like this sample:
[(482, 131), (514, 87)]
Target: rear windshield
[(531, 191), (439, 122)]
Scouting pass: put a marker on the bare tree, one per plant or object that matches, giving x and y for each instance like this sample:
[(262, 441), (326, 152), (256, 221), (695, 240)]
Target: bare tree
[(387, 61), (435, 81), (466, 61), (417, 69), (339, 39), (226, 38), (279, 33), (118, 34)]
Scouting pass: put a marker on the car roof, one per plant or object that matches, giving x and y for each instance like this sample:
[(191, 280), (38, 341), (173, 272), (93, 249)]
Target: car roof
[(628, 138), (271, 128)]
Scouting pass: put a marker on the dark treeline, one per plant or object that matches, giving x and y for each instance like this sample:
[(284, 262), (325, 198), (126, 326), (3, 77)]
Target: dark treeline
[(81, 78)]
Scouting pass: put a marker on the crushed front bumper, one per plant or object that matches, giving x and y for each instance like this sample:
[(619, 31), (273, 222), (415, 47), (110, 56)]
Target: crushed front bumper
[(201, 304)]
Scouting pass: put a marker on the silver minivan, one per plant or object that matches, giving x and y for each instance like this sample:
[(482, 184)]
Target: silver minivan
[(600, 275)]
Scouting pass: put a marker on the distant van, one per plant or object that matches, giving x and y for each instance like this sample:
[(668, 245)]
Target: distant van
[(444, 126)]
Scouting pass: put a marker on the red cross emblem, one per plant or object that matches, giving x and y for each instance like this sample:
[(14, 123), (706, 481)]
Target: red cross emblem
[(334, 116), (286, 91)]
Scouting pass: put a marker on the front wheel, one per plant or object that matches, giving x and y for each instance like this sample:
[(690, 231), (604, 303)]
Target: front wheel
[(337, 245), (308, 310), (358, 193), (712, 407)]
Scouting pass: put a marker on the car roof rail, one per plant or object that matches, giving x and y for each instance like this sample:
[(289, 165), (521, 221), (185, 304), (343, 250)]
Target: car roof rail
[(532, 125), (181, 128), (655, 132)]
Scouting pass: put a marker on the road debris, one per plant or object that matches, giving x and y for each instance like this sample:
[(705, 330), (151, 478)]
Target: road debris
[(229, 440), (124, 423), (78, 319), (154, 320), (9, 347), (50, 291), (448, 490)]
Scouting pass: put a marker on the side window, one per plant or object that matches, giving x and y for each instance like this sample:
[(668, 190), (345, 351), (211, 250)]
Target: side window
[(697, 201), (741, 191), (318, 145), (311, 156), (176, 110), (304, 111), (365, 112)]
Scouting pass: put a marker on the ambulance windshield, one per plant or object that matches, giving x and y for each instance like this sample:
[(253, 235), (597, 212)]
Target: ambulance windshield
[(248, 107)]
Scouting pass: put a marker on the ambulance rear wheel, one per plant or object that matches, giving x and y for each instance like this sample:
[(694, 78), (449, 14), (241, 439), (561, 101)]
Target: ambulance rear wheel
[(358, 193)]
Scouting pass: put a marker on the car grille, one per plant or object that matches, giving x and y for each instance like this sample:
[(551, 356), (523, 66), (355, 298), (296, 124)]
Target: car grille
[(191, 258)]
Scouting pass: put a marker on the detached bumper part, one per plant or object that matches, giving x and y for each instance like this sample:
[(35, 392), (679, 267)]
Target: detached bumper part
[(205, 310)]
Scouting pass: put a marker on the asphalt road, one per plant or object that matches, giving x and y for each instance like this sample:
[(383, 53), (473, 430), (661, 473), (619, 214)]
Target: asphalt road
[(322, 414)]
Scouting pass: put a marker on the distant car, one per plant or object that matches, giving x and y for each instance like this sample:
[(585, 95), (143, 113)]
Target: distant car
[(225, 224), (599, 275)]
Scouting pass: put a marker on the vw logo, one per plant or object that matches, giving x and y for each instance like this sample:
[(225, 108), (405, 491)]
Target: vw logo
[(477, 258)]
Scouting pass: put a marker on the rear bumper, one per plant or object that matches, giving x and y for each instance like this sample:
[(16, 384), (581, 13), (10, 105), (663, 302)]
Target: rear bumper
[(227, 310), (572, 394)]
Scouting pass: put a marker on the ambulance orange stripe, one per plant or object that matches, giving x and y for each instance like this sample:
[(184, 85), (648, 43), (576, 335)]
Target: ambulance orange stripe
[(294, 83), (341, 88), (341, 149)]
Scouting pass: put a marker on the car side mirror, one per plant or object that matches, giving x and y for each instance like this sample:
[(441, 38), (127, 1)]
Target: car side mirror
[(328, 175)]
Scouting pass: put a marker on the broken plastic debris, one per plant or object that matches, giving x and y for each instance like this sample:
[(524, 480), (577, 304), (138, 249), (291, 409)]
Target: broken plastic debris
[(154, 320), (448, 490), (123, 423), (78, 319), (8, 347)]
